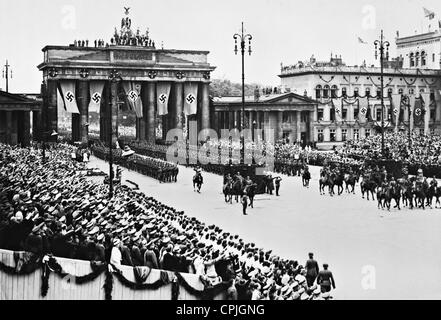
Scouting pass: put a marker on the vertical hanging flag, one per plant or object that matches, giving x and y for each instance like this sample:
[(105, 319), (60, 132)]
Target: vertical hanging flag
[(363, 108), (162, 96), (417, 111), (96, 92), (396, 108), (425, 96), (133, 92), (67, 91), (338, 109), (190, 98)]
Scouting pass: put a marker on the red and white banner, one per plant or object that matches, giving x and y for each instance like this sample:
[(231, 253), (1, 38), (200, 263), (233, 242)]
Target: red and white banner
[(162, 97), (67, 92), (190, 98), (133, 93)]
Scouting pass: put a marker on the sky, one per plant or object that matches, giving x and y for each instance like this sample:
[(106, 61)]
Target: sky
[(284, 31)]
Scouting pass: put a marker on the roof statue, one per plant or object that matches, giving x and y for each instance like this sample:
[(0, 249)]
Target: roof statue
[(127, 37)]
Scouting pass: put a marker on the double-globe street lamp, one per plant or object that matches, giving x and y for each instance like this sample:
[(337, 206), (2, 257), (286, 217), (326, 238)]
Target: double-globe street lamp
[(242, 38), (383, 47)]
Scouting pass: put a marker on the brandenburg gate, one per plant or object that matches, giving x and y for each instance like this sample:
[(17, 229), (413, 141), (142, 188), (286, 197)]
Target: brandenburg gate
[(172, 84)]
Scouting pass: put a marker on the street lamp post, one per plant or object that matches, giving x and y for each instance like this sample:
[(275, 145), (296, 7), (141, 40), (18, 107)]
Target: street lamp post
[(52, 133), (382, 45), (243, 38), (114, 77)]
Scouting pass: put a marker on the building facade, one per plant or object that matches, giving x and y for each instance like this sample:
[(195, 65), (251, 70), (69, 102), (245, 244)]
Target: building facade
[(350, 104), (16, 111), (161, 86), (289, 115)]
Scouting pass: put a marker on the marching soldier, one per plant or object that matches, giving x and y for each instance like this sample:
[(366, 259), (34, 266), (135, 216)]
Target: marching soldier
[(325, 279)]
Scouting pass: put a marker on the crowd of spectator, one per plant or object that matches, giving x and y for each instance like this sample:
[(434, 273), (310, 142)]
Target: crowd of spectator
[(49, 206)]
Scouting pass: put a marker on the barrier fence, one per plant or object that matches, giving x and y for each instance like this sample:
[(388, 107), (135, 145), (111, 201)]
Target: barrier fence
[(21, 280)]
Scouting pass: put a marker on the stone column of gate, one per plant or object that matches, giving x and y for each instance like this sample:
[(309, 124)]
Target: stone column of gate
[(177, 106), (279, 125), (104, 105), (9, 127), (26, 128), (205, 105), (36, 125), (51, 118), (149, 102), (113, 123), (298, 128), (83, 107), (411, 122)]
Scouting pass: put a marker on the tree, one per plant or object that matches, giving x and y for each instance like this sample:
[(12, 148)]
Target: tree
[(226, 88)]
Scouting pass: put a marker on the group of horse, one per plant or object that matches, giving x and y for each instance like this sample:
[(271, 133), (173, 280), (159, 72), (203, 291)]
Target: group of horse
[(411, 192), (343, 180), (236, 187)]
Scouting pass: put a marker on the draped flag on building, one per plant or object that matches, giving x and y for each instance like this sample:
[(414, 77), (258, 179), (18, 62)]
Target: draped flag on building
[(418, 111), (96, 95), (190, 98), (425, 96), (133, 92), (396, 108), (162, 96), (363, 108), (67, 92), (338, 103)]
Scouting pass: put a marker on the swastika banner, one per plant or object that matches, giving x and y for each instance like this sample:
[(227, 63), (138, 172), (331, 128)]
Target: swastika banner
[(363, 107), (162, 96), (396, 108), (96, 95), (67, 92), (338, 109), (190, 98), (133, 93)]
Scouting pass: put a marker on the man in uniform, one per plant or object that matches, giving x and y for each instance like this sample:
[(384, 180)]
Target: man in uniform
[(244, 202), (277, 182), (325, 279), (312, 269)]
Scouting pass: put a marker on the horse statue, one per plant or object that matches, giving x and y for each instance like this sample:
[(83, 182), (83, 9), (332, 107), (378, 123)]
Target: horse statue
[(198, 180)]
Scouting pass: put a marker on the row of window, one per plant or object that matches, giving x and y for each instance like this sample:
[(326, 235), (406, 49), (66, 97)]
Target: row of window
[(356, 134), (344, 135), (332, 92), (377, 114), (419, 58)]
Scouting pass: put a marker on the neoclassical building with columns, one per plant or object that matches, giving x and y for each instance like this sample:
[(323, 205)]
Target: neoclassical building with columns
[(289, 115), (162, 86), (349, 98)]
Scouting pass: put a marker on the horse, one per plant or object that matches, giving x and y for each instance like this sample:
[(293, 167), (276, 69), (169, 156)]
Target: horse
[(197, 182), (338, 181), (228, 190), (237, 189), (420, 192), (396, 195), (350, 180), (408, 194), (306, 177), (384, 197), (323, 181), (367, 186), (437, 196)]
